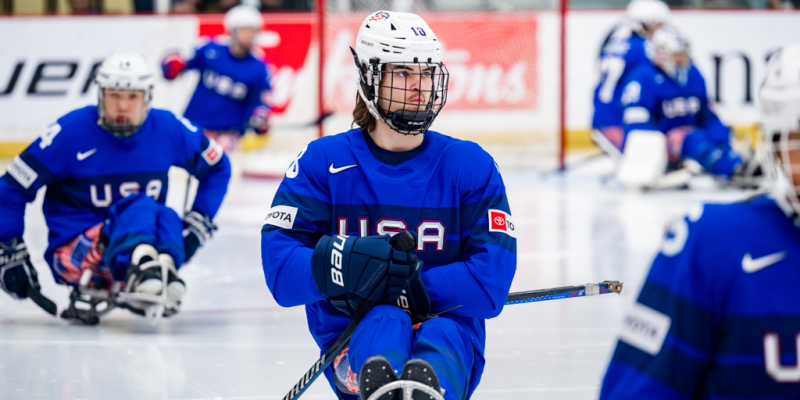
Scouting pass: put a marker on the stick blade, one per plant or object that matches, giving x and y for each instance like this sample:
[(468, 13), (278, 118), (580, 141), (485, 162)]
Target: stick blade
[(43, 302)]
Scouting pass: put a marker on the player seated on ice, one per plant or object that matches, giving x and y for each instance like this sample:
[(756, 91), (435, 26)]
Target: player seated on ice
[(622, 51), (718, 316), (105, 168), (232, 94), (667, 118), (327, 241)]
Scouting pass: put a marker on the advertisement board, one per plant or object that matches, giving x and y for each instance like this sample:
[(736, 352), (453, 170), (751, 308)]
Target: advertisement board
[(504, 66)]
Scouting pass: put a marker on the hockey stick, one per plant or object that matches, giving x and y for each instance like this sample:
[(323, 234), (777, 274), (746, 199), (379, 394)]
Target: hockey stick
[(327, 358), (43, 302), (565, 292), (589, 289), (303, 125)]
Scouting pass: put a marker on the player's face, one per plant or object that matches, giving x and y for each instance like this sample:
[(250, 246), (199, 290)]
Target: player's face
[(245, 36), (406, 86), (681, 59), (123, 106)]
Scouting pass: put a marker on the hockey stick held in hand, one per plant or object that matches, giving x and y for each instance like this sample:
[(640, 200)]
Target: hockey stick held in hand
[(565, 292)]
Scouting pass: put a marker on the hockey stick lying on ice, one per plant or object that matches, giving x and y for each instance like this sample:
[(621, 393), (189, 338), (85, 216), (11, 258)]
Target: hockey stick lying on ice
[(589, 289)]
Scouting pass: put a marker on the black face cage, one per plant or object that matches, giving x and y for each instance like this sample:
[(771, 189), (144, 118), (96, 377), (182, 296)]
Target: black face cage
[(416, 93), (782, 144), (123, 129)]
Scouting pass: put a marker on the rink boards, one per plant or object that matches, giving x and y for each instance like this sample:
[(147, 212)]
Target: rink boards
[(505, 75)]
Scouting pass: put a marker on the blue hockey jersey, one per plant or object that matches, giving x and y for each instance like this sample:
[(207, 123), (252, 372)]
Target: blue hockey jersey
[(653, 101), (718, 316), (450, 195), (229, 88), (86, 169), (620, 55)]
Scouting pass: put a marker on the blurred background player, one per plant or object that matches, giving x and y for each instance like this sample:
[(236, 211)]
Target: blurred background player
[(665, 106), (718, 317), (232, 94), (326, 242), (621, 52), (105, 168)]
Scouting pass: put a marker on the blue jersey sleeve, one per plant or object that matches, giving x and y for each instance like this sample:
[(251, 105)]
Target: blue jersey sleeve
[(258, 94), (207, 162), (478, 284), (300, 215), (40, 164), (717, 131), (667, 338), (640, 102), (195, 59)]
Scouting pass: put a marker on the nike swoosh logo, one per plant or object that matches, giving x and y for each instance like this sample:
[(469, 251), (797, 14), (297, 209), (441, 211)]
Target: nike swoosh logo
[(751, 265), (83, 156), (334, 170)]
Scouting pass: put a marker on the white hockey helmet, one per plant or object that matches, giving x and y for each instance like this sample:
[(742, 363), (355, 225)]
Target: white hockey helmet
[(645, 14), (664, 45), (243, 16), (124, 71), (780, 112), (399, 38)]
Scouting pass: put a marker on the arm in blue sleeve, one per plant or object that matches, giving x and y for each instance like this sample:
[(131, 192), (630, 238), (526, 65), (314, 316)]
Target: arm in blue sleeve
[(194, 59), (640, 105), (478, 284), (667, 339), (257, 105), (25, 175), (300, 215), (717, 131), (205, 160), (12, 210), (213, 187)]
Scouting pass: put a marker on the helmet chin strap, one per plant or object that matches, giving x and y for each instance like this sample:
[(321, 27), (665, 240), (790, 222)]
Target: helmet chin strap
[(411, 121)]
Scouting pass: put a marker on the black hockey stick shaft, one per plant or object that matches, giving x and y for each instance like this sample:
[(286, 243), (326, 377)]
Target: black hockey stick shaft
[(319, 367), (404, 242), (303, 125), (43, 302), (565, 292), (513, 298)]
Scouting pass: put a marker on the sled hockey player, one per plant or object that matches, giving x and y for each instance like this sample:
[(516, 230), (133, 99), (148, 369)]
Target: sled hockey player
[(232, 94), (331, 238), (621, 52), (667, 117), (718, 316), (105, 168)]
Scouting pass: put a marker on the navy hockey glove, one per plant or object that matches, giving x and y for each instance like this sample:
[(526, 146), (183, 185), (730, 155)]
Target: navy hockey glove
[(415, 300), (367, 267), (17, 274), (197, 229)]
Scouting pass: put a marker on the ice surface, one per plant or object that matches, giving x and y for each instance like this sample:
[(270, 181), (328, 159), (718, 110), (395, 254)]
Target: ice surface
[(232, 341)]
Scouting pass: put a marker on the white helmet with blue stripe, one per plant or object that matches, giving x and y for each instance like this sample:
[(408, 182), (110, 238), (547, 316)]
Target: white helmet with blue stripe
[(400, 40), (780, 112), (124, 71)]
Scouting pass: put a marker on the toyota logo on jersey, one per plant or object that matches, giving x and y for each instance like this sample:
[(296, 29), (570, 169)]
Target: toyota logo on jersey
[(500, 221)]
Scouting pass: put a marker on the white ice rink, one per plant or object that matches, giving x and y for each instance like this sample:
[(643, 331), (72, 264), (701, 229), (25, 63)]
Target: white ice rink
[(232, 341)]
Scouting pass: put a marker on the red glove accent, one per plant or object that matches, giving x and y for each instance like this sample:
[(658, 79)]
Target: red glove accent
[(172, 66), (259, 120)]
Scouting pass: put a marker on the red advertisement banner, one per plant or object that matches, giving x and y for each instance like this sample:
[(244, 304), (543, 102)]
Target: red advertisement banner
[(492, 57)]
